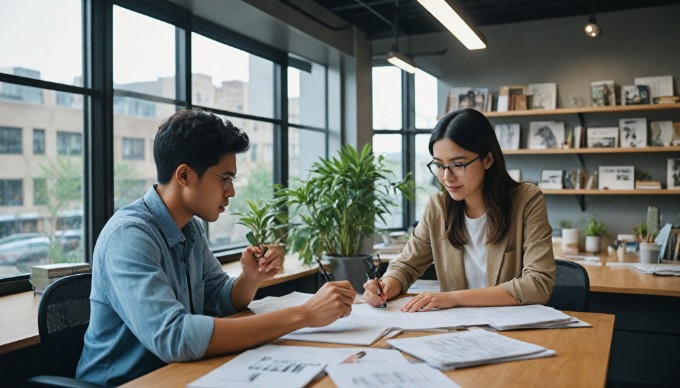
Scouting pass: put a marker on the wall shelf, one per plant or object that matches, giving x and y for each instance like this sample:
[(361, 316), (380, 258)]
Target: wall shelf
[(610, 192), (572, 151), (582, 110)]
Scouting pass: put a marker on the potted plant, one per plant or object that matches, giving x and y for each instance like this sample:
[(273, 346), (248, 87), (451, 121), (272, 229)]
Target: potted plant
[(336, 208), (570, 237), (266, 223), (649, 250), (594, 231)]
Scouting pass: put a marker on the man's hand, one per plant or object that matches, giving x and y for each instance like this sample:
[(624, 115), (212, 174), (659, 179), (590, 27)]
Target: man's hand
[(260, 267), (332, 301)]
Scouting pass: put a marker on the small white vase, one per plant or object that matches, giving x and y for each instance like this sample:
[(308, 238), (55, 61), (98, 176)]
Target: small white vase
[(649, 253), (570, 241), (593, 244)]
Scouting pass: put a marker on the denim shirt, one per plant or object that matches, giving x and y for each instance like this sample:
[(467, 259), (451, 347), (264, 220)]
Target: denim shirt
[(141, 302)]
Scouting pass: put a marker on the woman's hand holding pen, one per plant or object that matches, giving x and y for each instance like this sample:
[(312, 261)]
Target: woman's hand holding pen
[(259, 266), (332, 301), (390, 288)]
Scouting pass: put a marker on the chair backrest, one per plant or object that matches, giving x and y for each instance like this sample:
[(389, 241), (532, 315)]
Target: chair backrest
[(63, 317), (572, 287)]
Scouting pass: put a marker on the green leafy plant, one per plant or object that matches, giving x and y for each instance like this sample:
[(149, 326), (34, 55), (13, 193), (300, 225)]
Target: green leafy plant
[(564, 224), (333, 210), (595, 227), (264, 219), (642, 233)]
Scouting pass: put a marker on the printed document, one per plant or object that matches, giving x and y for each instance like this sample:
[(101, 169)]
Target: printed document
[(388, 375)]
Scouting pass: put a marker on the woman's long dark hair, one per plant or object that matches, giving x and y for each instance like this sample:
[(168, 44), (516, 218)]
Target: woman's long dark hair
[(472, 131)]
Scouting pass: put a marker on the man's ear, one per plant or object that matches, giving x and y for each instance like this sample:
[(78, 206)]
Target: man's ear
[(182, 174)]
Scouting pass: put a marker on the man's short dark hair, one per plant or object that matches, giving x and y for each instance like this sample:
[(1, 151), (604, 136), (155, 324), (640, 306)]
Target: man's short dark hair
[(197, 138)]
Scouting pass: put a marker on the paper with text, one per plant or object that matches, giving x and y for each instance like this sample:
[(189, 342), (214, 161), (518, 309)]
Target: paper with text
[(388, 375)]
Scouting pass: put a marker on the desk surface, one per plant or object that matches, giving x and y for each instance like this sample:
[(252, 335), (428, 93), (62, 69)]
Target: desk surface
[(581, 360), (19, 312)]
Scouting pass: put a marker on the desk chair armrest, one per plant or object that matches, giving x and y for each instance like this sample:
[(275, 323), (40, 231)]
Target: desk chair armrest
[(59, 381)]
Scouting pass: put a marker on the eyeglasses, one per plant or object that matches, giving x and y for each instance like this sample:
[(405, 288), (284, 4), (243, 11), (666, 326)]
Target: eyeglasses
[(456, 168), (226, 181)]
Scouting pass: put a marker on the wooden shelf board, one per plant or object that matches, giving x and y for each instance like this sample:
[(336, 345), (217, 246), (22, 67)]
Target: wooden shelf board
[(585, 109), (610, 192), (568, 151)]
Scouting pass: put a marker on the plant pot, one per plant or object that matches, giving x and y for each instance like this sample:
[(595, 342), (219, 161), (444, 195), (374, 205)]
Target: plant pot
[(593, 244), (570, 241), (349, 268), (649, 253)]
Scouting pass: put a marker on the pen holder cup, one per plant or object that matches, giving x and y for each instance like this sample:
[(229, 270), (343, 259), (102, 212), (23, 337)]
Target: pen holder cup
[(649, 253)]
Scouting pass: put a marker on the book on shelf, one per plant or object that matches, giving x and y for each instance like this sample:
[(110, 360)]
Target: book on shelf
[(647, 185)]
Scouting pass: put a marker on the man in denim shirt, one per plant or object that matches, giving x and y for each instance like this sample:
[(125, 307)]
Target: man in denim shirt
[(155, 283)]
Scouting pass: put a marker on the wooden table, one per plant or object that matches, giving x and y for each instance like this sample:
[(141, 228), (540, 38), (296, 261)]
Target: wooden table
[(625, 280), (581, 361)]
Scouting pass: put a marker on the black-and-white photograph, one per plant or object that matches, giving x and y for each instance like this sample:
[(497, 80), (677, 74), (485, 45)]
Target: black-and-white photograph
[(551, 179), (633, 132), (508, 136), (634, 94), (464, 97), (602, 137), (658, 86), (661, 133), (603, 93), (616, 178), (673, 173), (546, 134), (543, 96)]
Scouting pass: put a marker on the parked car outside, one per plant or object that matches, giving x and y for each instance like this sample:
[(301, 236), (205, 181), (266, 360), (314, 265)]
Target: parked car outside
[(32, 248)]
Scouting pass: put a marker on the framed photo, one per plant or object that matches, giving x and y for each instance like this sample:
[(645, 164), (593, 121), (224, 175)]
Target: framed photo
[(675, 137), (508, 136), (464, 97), (551, 179), (603, 93), (546, 134), (633, 132), (616, 178), (673, 173), (661, 133), (544, 96), (602, 137), (658, 86), (634, 94)]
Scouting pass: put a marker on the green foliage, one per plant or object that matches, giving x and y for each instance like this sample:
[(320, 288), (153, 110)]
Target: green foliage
[(642, 233), (337, 206), (565, 224), (264, 219), (595, 227)]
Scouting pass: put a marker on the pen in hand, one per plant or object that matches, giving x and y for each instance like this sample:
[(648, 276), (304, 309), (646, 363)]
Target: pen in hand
[(327, 276), (381, 293)]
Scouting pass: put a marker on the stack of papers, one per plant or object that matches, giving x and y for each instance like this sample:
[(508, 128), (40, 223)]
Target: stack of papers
[(658, 269), (420, 286), (387, 374), (468, 348)]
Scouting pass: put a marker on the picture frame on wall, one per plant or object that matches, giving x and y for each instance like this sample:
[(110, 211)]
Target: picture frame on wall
[(543, 96), (546, 134), (661, 133), (616, 178), (508, 135), (551, 179), (634, 94), (603, 93), (659, 86), (465, 97), (602, 137), (675, 137), (673, 173), (633, 132)]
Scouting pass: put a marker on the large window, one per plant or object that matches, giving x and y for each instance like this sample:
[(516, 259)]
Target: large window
[(41, 133), (403, 138), (61, 144)]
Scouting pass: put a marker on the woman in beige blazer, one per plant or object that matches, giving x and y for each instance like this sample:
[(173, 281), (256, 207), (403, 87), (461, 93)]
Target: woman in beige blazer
[(488, 236)]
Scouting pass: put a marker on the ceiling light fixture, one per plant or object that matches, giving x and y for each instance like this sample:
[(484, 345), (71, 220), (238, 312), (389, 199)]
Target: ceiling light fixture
[(394, 56), (456, 21), (400, 60), (592, 29)]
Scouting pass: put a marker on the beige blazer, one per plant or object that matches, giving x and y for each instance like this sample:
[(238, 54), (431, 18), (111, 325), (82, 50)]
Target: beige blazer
[(522, 262)]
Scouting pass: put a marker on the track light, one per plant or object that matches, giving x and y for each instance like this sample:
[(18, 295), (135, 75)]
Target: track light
[(400, 60), (455, 20), (592, 29)]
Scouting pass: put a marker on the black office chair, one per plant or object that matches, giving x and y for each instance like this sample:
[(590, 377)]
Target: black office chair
[(63, 317), (572, 287)]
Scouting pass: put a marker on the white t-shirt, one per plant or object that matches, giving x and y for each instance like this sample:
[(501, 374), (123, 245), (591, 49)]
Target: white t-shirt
[(475, 252)]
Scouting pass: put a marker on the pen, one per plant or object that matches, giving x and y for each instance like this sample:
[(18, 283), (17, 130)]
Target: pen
[(327, 276), (377, 282), (378, 268), (354, 357)]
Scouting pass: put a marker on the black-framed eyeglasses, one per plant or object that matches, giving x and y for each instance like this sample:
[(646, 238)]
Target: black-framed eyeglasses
[(226, 181), (456, 168)]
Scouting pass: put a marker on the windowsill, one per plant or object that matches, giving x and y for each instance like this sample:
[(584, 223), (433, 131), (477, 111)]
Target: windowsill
[(19, 317)]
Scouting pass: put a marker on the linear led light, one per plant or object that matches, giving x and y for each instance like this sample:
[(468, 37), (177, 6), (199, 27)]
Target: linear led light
[(401, 61), (453, 18)]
